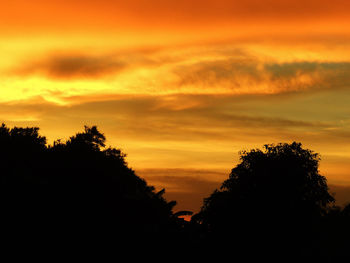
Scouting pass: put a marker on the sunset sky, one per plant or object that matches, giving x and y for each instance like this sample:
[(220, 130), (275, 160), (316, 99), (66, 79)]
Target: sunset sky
[(182, 86)]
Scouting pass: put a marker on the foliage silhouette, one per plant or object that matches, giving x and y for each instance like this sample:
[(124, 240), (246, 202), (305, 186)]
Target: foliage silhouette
[(81, 192), (274, 199), (78, 188)]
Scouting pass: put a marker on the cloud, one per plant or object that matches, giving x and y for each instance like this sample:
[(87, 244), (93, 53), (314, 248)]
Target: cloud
[(90, 65), (72, 67), (210, 69), (193, 125), (216, 73), (190, 118), (251, 76), (175, 117)]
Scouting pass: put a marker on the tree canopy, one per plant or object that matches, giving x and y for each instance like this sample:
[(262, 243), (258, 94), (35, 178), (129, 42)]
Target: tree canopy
[(77, 186), (275, 193)]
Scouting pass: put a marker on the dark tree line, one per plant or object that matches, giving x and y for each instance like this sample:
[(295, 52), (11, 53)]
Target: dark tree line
[(81, 191)]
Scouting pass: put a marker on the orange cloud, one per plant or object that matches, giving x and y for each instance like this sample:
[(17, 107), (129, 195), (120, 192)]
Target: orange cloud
[(213, 71)]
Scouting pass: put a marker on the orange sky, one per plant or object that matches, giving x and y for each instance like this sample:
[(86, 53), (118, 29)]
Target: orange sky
[(182, 86)]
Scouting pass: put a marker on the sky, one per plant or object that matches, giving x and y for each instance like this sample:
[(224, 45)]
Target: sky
[(183, 86)]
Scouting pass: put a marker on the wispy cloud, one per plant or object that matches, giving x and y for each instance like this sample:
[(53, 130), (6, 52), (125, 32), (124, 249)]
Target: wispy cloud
[(221, 70), (249, 76), (180, 117)]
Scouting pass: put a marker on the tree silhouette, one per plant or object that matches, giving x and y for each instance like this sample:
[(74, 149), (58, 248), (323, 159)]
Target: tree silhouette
[(273, 196), (80, 191), (78, 188), (336, 231)]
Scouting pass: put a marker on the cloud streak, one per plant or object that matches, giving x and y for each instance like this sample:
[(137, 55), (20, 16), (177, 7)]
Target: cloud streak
[(72, 67), (190, 118), (254, 77), (225, 71)]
